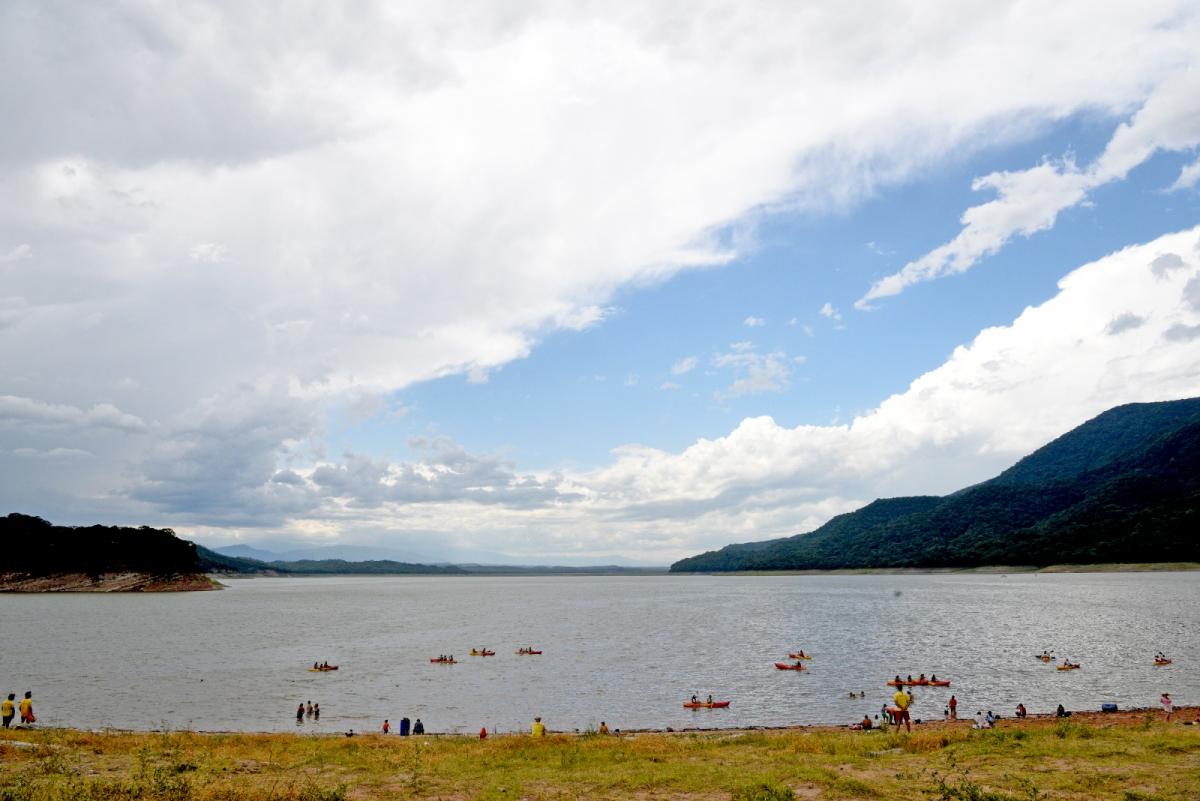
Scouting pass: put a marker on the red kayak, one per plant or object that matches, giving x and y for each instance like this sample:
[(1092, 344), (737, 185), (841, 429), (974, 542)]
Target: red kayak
[(705, 704), (530, 652), (323, 669), (939, 683), (786, 666)]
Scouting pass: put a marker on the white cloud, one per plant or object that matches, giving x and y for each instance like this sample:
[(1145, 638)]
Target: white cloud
[(829, 311), (19, 253), (1030, 200), (412, 192), (208, 252), (668, 385), (684, 365), (754, 373), (754, 322), (741, 346), (1188, 177)]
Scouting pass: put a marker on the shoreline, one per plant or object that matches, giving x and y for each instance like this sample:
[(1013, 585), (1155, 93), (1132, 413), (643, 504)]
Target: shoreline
[(1184, 715)]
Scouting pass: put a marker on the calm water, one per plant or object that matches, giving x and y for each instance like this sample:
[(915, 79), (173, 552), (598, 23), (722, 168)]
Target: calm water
[(624, 650)]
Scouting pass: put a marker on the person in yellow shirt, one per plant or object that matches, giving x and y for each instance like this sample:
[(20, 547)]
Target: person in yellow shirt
[(26, 708), (902, 700), (8, 709), (538, 729)]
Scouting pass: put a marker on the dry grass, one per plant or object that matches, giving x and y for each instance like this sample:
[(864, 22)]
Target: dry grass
[(1134, 760)]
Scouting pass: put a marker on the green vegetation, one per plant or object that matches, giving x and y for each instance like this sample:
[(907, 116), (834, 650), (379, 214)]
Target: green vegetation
[(1038, 760), (35, 547), (1123, 487)]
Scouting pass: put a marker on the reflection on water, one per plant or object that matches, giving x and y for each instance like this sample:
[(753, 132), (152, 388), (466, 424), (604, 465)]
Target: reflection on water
[(625, 650)]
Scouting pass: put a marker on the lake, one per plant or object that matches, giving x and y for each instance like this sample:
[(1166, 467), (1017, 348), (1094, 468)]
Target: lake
[(627, 650)]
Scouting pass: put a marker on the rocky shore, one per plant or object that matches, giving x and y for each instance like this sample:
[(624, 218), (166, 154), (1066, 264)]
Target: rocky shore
[(107, 582)]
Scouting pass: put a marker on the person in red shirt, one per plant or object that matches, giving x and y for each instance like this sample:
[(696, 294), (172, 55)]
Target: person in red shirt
[(953, 708), (387, 727)]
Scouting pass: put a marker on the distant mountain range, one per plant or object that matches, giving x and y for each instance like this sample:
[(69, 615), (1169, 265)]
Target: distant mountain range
[(300, 552), (1122, 487)]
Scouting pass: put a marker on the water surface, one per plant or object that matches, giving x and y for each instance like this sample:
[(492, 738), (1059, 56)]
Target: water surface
[(627, 650)]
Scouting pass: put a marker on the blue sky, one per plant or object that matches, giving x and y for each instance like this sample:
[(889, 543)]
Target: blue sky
[(578, 283), (579, 394)]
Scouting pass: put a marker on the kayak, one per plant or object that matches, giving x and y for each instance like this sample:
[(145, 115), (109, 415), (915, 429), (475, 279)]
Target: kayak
[(799, 656), (484, 652), (939, 683), (322, 669), (1163, 661), (1044, 658), (1067, 667), (919, 683), (705, 704), (437, 661), (528, 653), (894, 683), (786, 666)]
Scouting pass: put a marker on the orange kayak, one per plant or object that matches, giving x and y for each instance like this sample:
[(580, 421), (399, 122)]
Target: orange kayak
[(705, 704), (786, 666), (939, 683)]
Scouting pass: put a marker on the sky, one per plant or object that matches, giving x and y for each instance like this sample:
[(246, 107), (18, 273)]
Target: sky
[(578, 282)]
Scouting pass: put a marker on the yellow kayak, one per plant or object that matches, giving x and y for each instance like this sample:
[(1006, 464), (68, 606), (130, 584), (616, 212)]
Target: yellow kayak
[(799, 656)]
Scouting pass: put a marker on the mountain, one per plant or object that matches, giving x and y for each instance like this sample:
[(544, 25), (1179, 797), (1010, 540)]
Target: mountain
[(1122, 487)]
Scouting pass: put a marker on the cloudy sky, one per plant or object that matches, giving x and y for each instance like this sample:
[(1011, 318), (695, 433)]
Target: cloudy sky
[(557, 282)]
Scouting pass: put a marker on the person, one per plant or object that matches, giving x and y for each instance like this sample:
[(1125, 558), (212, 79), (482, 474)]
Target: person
[(387, 727), (991, 720), (316, 711), (709, 698), (866, 723), (909, 680), (932, 677), (695, 698), (921, 679), (404, 724), (801, 653), (8, 709), (418, 727), (26, 709), (350, 733), (1167, 705), (483, 732), (603, 727), (946, 713), (953, 707), (902, 701), (316, 666), (538, 729), (1061, 713), (1021, 711), (980, 722), (300, 713), (308, 709), (897, 680)]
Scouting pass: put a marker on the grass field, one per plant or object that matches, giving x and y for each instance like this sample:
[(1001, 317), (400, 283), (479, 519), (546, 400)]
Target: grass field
[(1131, 757)]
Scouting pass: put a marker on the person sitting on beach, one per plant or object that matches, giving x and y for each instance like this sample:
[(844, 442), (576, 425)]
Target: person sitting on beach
[(538, 729), (1021, 711), (418, 727), (1061, 713), (991, 720), (603, 727), (866, 723), (980, 721)]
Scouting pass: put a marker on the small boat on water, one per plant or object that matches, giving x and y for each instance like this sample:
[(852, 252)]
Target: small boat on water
[(1069, 666), (484, 652), (528, 652), (786, 666), (939, 683), (322, 669), (705, 704), (1163, 661), (437, 660), (799, 655)]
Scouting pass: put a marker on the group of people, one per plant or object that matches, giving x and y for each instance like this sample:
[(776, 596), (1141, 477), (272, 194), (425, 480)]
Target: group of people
[(321, 665), (309, 710), (696, 699), (407, 727), (9, 709)]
